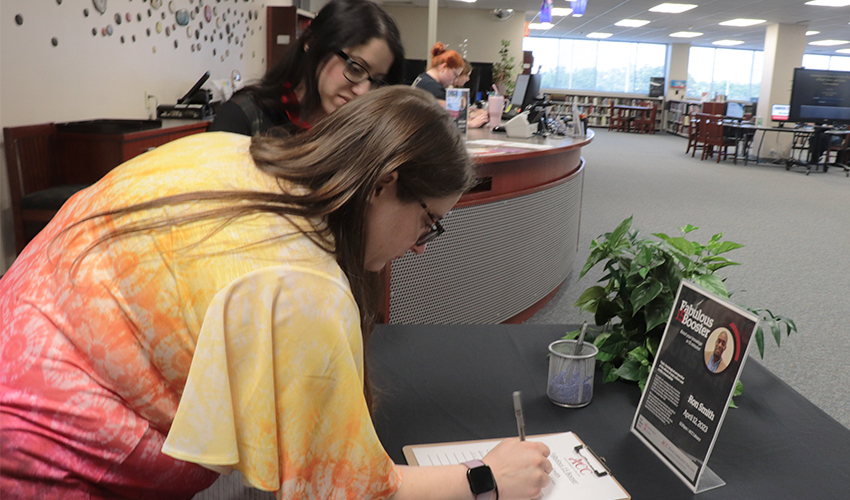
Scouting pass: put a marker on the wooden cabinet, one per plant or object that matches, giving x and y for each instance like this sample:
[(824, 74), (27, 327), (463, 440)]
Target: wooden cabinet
[(283, 27), (88, 150)]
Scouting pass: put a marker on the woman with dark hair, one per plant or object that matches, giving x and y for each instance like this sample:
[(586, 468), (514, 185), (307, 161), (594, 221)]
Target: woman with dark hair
[(351, 46), (175, 321)]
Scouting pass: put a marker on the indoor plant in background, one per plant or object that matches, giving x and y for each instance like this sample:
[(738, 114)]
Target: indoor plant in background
[(503, 70), (639, 288)]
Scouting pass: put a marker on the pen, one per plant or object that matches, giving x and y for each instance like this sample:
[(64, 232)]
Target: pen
[(520, 422)]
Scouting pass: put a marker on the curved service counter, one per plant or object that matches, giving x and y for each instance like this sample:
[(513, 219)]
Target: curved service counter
[(509, 243)]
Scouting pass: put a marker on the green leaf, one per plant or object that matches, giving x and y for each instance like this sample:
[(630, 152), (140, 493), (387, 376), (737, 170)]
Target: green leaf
[(739, 389), (643, 256), (644, 294), (687, 229), (774, 329), (712, 283), (609, 374), (606, 310), (571, 335), (590, 298), (760, 341), (639, 354), (629, 370), (727, 246), (657, 314), (652, 344), (682, 245), (714, 239), (621, 231), (721, 265)]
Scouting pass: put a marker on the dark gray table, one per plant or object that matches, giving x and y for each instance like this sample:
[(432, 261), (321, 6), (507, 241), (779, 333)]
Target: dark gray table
[(450, 383)]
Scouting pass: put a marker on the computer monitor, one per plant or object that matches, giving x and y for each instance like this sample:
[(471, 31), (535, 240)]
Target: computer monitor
[(525, 90), (734, 110), (480, 81), (780, 112), (820, 96)]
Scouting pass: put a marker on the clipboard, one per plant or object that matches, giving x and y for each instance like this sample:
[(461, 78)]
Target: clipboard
[(578, 472)]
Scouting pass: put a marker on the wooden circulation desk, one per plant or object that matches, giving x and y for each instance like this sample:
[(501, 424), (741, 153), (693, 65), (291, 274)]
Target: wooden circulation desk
[(88, 150), (509, 243)]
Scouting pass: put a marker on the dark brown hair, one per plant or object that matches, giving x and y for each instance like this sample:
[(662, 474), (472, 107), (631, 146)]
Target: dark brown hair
[(340, 24)]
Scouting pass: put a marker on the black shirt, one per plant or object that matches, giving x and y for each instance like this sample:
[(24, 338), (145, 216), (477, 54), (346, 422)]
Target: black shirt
[(426, 82), (242, 115)]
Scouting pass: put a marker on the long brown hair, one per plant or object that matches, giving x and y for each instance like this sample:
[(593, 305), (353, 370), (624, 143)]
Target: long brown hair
[(335, 168)]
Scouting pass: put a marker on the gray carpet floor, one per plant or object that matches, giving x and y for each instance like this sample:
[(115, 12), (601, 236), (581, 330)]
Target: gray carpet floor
[(796, 229)]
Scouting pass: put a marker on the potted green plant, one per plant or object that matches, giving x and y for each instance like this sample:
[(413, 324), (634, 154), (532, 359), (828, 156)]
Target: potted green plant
[(503, 70), (637, 292)]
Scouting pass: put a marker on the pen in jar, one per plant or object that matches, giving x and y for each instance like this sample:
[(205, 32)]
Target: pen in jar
[(520, 422)]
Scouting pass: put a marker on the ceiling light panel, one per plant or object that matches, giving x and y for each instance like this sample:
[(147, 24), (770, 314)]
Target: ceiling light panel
[(810, 33), (631, 23), (561, 11), (727, 43), (540, 26), (598, 35), (686, 34), (742, 22), (829, 3), (829, 43), (673, 8)]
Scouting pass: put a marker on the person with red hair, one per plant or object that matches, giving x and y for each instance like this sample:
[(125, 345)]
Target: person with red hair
[(446, 66)]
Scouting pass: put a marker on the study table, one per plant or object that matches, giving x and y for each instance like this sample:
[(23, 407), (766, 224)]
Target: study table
[(625, 115), (454, 383)]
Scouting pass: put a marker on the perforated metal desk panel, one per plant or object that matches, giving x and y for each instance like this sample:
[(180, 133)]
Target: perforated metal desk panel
[(507, 247)]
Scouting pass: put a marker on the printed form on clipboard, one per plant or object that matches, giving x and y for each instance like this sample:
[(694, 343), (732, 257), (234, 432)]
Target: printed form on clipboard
[(577, 473)]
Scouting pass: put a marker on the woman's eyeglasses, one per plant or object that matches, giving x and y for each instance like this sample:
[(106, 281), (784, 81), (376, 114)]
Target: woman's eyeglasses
[(436, 228), (355, 73)]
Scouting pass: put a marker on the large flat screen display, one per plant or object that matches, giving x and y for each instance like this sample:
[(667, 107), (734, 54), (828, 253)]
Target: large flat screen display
[(820, 96)]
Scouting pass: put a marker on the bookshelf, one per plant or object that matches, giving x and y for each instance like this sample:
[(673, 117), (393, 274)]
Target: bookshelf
[(597, 107), (677, 113)]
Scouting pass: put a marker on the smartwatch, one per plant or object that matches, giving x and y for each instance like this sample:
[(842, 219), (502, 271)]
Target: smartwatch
[(481, 480)]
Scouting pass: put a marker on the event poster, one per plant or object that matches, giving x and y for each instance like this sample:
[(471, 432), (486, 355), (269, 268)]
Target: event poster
[(457, 104), (692, 381)]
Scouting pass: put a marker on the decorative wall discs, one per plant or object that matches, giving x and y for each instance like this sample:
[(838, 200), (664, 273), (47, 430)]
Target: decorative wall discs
[(158, 27), (208, 13), (156, 4), (100, 5), (182, 17)]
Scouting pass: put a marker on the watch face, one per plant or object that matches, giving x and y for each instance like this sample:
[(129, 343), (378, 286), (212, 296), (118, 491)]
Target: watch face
[(481, 479)]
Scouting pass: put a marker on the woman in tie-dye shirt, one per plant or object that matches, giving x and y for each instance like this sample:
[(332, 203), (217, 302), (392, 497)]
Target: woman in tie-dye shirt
[(200, 310)]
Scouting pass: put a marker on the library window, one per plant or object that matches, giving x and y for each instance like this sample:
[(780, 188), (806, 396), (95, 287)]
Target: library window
[(733, 73), (833, 63), (567, 64)]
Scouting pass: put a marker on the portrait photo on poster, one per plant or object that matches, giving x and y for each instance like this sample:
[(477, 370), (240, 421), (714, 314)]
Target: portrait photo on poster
[(720, 349)]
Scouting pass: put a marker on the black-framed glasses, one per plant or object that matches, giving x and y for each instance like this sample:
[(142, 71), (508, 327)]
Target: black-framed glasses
[(355, 73), (436, 228)]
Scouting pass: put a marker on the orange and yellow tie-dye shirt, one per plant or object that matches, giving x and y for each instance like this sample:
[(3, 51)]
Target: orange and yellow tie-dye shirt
[(241, 341)]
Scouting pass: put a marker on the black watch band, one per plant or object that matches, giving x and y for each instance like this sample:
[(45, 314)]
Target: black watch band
[(481, 480)]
